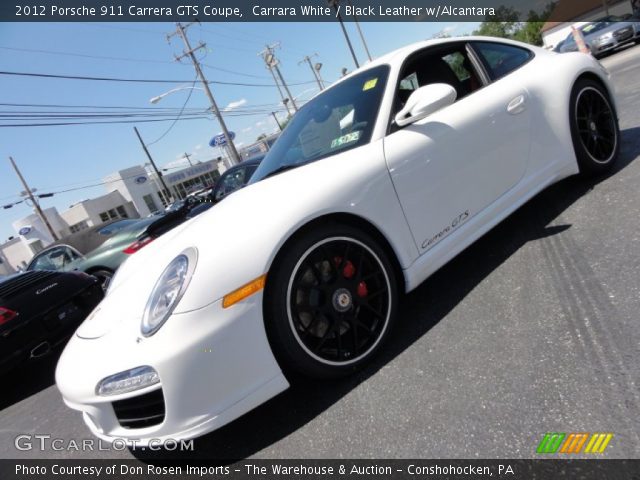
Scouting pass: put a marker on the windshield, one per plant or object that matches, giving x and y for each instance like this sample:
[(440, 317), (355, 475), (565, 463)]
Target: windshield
[(594, 27), (339, 119), (57, 258)]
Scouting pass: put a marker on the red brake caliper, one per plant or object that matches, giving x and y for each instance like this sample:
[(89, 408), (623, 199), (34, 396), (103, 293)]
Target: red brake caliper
[(348, 271)]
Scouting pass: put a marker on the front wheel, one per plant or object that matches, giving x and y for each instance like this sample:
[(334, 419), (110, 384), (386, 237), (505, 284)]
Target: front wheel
[(104, 276), (330, 302), (594, 127)]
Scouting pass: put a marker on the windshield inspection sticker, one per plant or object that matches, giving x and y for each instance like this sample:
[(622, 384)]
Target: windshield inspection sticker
[(369, 84), (348, 138)]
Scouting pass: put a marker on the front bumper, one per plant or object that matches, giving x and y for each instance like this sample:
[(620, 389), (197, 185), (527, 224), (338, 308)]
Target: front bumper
[(214, 365)]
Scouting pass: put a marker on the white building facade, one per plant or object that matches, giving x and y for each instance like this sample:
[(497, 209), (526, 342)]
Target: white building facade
[(145, 191)]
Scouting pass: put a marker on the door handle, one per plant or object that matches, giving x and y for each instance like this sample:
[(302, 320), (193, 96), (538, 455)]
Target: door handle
[(517, 105)]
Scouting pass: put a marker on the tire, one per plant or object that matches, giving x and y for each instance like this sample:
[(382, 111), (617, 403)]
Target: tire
[(104, 276), (594, 127), (330, 302)]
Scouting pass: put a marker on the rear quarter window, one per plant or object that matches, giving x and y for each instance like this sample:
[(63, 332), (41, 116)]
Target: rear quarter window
[(501, 59)]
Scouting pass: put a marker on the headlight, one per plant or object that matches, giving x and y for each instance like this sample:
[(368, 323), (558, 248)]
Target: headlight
[(167, 292)]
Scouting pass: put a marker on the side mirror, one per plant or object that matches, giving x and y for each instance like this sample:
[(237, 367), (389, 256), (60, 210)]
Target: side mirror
[(425, 101)]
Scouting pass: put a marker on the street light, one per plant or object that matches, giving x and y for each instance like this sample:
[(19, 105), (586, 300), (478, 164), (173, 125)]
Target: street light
[(155, 100)]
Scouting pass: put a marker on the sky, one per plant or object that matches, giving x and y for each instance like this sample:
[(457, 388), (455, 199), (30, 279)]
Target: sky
[(78, 157)]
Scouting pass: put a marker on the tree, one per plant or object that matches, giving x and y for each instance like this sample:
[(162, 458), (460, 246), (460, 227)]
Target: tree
[(262, 136), (531, 30), (506, 24)]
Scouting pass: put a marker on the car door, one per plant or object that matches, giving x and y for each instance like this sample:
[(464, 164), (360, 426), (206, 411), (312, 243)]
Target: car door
[(453, 164)]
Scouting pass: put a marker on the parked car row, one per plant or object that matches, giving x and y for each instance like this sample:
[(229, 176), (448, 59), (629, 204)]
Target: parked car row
[(41, 307), (99, 251)]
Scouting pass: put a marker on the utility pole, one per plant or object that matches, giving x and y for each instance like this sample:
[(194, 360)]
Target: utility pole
[(272, 62), (276, 119), (188, 157), (355, 20), (286, 104), (317, 68), (181, 31), (153, 164), (36, 205), (334, 4), (307, 59)]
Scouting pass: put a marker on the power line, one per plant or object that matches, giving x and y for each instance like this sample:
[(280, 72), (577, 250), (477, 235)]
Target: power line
[(71, 54), (232, 72), (58, 124), (50, 105), (134, 80), (121, 59), (92, 121)]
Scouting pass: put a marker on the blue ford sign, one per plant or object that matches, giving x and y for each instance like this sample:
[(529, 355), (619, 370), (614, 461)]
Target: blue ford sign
[(140, 180), (220, 140), (24, 231)]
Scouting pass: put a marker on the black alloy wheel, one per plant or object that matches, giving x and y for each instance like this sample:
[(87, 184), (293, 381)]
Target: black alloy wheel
[(594, 127), (335, 303)]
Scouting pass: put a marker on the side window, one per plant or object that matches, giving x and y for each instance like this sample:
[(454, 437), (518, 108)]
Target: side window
[(54, 259), (501, 59), (457, 62), (450, 65), (250, 171)]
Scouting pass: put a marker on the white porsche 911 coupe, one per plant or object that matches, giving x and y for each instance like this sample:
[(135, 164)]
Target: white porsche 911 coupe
[(375, 184)]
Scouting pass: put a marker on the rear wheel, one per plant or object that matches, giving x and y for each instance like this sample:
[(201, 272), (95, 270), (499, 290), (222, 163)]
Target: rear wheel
[(331, 302), (594, 127)]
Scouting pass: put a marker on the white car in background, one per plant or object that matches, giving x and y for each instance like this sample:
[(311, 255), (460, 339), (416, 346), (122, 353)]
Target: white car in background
[(374, 185)]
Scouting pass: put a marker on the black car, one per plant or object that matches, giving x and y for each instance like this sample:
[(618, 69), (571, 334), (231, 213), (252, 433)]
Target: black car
[(235, 178), (39, 310)]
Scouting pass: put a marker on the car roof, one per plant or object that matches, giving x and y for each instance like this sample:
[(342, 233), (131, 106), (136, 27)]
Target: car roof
[(396, 57), (244, 163), (86, 240)]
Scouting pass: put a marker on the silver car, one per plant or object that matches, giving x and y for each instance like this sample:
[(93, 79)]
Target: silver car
[(604, 35)]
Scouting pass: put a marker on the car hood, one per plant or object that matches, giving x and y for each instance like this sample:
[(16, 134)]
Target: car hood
[(237, 240)]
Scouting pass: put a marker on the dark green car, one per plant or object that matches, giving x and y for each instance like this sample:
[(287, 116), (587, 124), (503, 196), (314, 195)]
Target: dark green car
[(123, 238)]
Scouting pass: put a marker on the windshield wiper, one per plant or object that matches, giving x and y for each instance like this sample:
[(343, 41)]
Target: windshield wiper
[(282, 168)]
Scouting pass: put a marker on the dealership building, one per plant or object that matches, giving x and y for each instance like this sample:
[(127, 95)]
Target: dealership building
[(145, 191), (132, 193)]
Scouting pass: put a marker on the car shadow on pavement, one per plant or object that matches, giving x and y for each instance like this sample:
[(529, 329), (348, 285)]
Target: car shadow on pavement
[(420, 310), (29, 378)]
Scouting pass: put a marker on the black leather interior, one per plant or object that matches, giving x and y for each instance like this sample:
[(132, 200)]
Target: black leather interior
[(436, 70)]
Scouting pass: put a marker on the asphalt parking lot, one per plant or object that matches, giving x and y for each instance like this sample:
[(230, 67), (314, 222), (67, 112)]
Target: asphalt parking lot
[(533, 329)]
